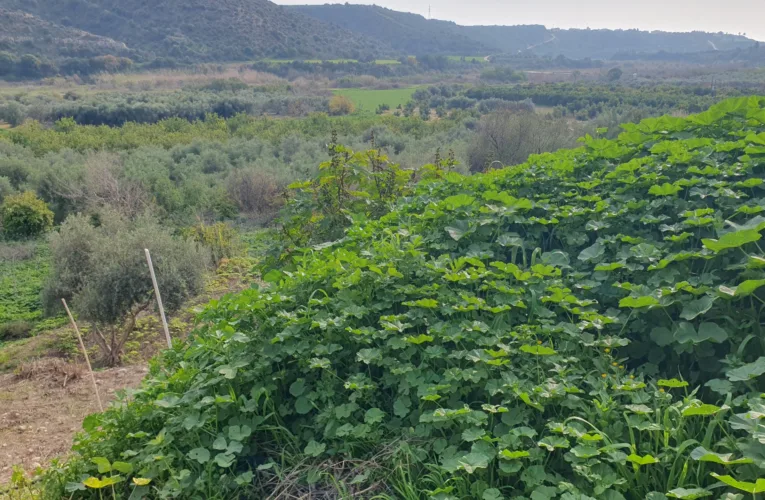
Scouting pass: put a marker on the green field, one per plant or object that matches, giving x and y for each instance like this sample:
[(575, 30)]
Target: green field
[(467, 58), (367, 100), (382, 62), (21, 280)]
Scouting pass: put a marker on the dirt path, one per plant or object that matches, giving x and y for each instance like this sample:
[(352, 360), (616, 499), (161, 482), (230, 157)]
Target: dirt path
[(39, 415)]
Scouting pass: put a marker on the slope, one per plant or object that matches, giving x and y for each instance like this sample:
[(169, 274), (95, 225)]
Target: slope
[(415, 34), (199, 30), (409, 33), (23, 33)]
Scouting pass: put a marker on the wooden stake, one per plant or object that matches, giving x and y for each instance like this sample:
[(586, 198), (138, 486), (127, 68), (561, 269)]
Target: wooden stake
[(85, 353), (159, 300)]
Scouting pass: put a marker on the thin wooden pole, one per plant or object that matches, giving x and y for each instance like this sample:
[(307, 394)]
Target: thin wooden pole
[(85, 353), (159, 300)]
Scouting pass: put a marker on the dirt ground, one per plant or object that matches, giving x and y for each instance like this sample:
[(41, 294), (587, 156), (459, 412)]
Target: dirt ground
[(41, 410)]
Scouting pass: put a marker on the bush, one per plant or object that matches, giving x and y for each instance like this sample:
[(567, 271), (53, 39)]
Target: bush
[(341, 105), (614, 74), (12, 114), (6, 188), (14, 330), (24, 216), (102, 271), (255, 191), (220, 239), (508, 138)]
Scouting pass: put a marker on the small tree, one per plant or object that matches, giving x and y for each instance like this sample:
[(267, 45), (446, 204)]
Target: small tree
[(341, 105), (102, 271), (12, 114), (614, 74), (25, 215)]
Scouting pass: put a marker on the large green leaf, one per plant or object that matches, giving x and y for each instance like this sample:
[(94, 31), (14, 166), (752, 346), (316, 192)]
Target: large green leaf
[(642, 460), (703, 455), (201, 455), (593, 252), (665, 189), (103, 464), (748, 287), (689, 494), (748, 371), (735, 239), (314, 449), (698, 307), (707, 332), (753, 488), (639, 302), (703, 410)]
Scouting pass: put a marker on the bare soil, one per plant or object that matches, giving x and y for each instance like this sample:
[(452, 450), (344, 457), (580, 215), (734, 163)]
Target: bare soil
[(40, 414)]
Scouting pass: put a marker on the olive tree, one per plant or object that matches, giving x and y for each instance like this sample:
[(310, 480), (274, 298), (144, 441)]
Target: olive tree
[(101, 269)]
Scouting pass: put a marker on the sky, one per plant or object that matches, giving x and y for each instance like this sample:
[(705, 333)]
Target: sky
[(730, 16)]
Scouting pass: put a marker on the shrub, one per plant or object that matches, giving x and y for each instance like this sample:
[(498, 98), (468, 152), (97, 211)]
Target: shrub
[(255, 191), (5, 188), (614, 74), (102, 271), (508, 138), (24, 216), (341, 105), (15, 330), (350, 185), (12, 114), (220, 239)]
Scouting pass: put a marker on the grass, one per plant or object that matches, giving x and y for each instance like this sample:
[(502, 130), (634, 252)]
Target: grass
[(467, 58), (381, 62), (309, 61), (368, 100)]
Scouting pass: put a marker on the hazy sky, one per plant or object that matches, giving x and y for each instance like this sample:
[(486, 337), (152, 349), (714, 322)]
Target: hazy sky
[(731, 16)]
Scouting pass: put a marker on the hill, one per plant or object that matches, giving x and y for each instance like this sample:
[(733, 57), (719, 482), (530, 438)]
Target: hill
[(604, 44), (199, 30), (23, 33), (406, 32), (753, 55), (414, 34)]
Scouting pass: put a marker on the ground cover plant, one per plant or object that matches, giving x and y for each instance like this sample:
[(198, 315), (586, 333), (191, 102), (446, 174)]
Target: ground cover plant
[(586, 325), (23, 269)]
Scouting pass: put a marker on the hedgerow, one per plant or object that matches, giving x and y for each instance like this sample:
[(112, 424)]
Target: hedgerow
[(586, 325)]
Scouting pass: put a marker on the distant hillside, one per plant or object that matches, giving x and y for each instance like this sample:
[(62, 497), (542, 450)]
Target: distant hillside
[(411, 34), (753, 55), (204, 30), (23, 33), (604, 44), (416, 35)]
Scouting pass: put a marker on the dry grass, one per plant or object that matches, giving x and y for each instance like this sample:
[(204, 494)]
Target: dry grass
[(335, 479), (175, 79), (52, 370), (14, 252)]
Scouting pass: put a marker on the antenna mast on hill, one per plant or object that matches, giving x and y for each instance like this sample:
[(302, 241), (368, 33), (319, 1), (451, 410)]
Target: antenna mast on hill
[(429, 16)]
